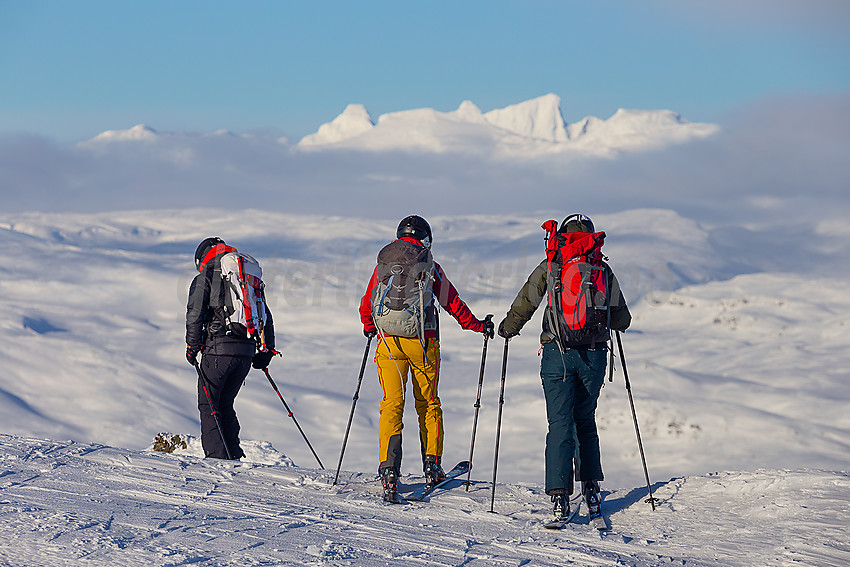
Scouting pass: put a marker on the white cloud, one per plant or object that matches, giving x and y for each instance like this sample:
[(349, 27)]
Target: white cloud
[(790, 150)]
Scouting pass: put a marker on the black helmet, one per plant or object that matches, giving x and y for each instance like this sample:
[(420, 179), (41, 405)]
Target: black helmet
[(577, 223), (417, 227), (204, 247)]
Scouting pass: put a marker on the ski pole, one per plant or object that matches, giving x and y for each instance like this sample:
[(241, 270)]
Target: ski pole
[(213, 410), (651, 498), (266, 371), (499, 423), (353, 404), (477, 404)]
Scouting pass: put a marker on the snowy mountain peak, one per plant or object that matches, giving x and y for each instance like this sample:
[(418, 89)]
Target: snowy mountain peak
[(137, 132), (531, 128), (539, 118), (469, 112), (353, 121)]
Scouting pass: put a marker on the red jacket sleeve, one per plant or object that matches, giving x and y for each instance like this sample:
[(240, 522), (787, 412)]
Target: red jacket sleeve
[(450, 301), (366, 304)]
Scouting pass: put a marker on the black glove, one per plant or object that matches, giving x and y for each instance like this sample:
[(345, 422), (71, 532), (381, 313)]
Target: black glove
[(192, 354), (503, 333), (262, 359), (369, 334), (489, 328)]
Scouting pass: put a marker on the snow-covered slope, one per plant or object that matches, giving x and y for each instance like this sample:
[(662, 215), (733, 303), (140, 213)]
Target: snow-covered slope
[(737, 359), (67, 503), (531, 128), (733, 339)]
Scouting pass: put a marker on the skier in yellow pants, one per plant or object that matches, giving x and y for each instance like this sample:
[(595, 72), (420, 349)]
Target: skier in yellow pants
[(400, 306), (395, 357)]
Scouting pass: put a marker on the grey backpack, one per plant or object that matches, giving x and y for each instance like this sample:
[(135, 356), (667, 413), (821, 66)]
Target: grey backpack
[(403, 293)]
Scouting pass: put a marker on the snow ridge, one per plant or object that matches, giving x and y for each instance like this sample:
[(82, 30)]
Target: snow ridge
[(538, 119), (532, 128), (526, 130), (353, 121)]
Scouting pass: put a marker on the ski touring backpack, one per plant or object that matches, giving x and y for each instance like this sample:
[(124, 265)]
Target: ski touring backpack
[(577, 284), (403, 290), (238, 288)]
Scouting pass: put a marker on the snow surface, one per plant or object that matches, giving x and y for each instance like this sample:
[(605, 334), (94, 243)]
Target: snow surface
[(67, 503), (737, 359)]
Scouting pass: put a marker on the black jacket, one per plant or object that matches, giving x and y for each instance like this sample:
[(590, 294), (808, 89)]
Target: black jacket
[(207, 325)]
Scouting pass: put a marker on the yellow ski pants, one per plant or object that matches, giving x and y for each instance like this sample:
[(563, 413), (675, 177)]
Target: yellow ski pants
[(395, 357)]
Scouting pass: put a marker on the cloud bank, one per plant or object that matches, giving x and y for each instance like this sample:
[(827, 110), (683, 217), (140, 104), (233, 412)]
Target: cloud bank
[(771, 160)]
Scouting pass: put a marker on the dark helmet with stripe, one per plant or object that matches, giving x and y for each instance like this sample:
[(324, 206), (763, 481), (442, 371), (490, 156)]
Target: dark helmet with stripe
[(203, 249), (577, 223), (417, 227)]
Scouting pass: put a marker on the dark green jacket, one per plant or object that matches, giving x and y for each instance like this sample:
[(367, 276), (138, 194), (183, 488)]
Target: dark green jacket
[(533, 292)]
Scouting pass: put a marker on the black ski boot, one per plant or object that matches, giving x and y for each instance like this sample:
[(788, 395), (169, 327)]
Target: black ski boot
[(434, 473), (561, 509), (389, 480), (590, 490)]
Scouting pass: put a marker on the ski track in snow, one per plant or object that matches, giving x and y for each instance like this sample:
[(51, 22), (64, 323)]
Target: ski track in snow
[(71, 503)]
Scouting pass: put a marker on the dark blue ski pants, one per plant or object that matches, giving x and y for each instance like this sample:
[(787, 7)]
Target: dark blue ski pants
[(572, 380)]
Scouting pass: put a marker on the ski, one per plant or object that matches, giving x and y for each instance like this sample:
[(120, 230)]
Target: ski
[(594, 514), (599, 522), (423, 491), (575, 504)]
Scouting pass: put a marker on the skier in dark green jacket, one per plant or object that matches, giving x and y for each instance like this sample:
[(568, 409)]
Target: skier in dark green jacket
[(572, 371)]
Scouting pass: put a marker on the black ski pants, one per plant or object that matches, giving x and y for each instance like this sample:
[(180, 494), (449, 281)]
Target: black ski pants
[(223, 377)]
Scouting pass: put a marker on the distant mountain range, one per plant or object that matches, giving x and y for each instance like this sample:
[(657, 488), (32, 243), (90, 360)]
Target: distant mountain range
[(528, 129)]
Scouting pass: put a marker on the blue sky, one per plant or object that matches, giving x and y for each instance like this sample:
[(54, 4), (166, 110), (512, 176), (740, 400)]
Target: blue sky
[(72, 69)]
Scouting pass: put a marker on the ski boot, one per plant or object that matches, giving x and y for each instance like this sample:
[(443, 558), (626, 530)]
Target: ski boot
[(389, 480), (590, 490), (561, 509), (434, 473)]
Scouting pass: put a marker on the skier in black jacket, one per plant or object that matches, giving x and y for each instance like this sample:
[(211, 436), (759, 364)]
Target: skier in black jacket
[(227, 353)]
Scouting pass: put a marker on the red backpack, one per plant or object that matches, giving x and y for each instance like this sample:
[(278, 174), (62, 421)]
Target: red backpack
[(577, 284)]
